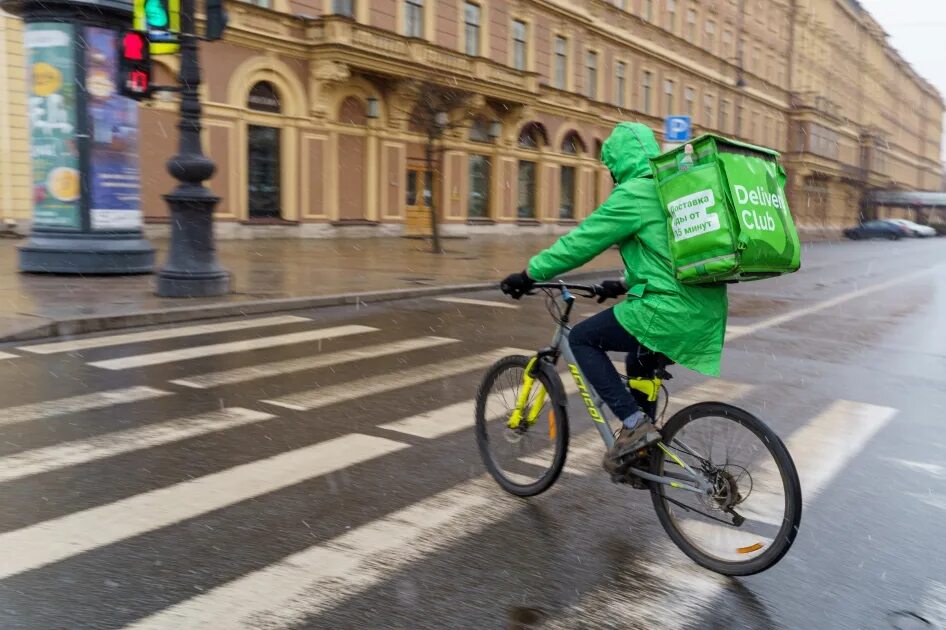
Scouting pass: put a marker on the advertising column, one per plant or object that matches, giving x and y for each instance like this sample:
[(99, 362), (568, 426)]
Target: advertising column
[(83, 141)]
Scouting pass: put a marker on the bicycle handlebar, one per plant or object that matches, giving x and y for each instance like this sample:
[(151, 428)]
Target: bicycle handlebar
[(583, 290)]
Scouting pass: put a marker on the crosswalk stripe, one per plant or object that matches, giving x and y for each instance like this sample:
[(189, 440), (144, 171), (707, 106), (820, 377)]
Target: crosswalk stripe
[(42, 460), (277, 368), (820, 450), (321, 397), (77, 404), (7, 355), (197, 352), (458, 416), (164, 333), (472, 302), (324, 575), (55, 540)]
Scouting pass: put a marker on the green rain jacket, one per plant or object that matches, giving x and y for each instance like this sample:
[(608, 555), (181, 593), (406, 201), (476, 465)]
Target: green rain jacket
[(686, 323)]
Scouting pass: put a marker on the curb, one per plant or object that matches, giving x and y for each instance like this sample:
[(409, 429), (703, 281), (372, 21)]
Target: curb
[(102, 323)]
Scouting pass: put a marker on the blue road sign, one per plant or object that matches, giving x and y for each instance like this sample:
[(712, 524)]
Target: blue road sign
[(677, 128)]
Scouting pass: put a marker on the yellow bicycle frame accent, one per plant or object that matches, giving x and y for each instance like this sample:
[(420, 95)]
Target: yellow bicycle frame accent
[(515, 419), (650, 387)]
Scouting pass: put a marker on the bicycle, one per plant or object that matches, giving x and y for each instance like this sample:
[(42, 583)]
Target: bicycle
[(750, 538)]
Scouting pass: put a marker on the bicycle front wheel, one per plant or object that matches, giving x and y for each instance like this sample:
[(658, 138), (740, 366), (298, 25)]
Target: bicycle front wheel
[(521, 431), (747, 518)]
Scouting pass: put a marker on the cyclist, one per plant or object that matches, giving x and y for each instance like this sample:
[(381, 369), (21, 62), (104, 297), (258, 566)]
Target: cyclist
[(660, 316)]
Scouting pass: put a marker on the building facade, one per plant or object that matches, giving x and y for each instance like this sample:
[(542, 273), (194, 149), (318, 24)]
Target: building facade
[(311, 108), (15, 196)]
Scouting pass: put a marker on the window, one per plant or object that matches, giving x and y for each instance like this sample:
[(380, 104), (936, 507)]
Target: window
[(591, 90), (710, 34), (266, 4), (343, 7), (727, 45), (531, 136), (263, 155), (414, 18), (646, 82), (668, 97), (518, 45), (620, 83), (691, 26), (561, 62), (708, 110), (566, 204), (648, 10), (526, 205), (724, 116), (689, 96), (672, 16), (478, 203), (471, 28)]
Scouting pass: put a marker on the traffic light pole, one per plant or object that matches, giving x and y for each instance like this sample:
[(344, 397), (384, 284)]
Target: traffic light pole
[(191, 269)]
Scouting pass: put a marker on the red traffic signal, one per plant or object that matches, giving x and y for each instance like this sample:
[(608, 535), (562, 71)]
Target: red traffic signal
[(134, 46), (135, 65)]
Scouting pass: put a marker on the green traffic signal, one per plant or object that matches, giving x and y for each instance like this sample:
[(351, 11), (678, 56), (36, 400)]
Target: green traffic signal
[(156, 14)]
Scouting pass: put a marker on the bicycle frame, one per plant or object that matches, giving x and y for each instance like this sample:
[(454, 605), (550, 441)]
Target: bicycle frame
[(593, 402)]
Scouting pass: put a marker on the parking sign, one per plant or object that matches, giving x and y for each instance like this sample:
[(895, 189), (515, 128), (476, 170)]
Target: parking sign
[(677, 128)]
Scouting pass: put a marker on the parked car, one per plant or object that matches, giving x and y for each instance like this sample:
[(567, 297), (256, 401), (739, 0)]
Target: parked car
[(878, 229), (915, 228)]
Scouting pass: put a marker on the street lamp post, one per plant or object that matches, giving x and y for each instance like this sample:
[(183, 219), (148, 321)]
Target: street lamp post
[(191, 269), (441, 120)]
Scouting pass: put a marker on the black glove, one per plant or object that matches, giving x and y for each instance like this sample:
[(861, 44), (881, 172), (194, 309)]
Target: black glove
[(610, 289), (517, 284)]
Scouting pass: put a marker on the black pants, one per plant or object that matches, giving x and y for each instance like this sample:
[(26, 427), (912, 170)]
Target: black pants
[(591, 340)]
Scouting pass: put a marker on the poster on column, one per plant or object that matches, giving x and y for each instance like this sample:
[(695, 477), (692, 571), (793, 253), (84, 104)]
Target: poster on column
[(115, 181), (52, 118)]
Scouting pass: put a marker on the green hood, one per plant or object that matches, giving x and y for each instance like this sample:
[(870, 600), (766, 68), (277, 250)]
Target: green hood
[(628, 149)]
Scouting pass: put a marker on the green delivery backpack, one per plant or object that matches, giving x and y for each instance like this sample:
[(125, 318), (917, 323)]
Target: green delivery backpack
[(728, 219)]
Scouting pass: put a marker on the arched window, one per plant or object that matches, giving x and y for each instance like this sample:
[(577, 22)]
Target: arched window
[(573, 144), (264, 170), (264, 98), (532, 136)]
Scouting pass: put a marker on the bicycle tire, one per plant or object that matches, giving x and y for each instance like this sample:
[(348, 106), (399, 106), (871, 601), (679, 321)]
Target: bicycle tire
[(556, 391), (788, 530)]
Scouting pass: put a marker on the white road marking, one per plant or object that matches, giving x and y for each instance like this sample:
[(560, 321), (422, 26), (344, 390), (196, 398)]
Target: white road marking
[(933, 500), (199, 352), (76, 404), (278, 368), (7, 355), (42, 460), (472, 302), (164, 333), (934, 470), (545, 463), (325, 575), (933, 606), (323, 396), (55, 540), (771, 322), (456, 417), (820, 450)]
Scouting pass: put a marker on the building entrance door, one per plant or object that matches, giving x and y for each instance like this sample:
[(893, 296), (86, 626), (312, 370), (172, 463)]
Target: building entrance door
[(419, 198)]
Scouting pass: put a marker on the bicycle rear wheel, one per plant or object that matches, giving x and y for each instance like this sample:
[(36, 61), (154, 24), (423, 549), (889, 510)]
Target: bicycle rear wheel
[(525, 455), (749, 516)]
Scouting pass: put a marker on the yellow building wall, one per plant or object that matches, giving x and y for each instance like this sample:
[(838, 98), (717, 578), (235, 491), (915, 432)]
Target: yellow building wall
[(14, 135)]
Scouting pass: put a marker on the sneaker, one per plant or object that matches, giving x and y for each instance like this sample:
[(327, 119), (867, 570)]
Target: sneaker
[(628, 441)]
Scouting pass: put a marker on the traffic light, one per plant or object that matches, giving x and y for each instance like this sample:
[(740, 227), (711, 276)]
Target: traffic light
[(216, 20), (161, 20), (134, 69)]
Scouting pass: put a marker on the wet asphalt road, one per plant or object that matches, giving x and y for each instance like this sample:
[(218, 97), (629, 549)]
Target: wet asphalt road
[(136, 490)]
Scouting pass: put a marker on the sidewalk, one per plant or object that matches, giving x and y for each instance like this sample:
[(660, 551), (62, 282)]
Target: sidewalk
[(267, 276)]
